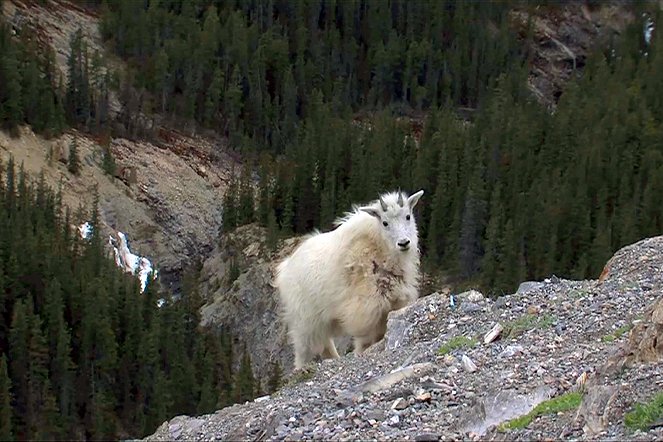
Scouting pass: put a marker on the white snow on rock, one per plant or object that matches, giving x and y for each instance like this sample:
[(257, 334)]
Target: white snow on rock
[(130, 262), (127, 261), (648, 30), (85, 230)]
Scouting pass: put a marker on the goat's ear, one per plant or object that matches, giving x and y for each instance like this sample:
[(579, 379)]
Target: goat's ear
[(414, 199), (371, 211)]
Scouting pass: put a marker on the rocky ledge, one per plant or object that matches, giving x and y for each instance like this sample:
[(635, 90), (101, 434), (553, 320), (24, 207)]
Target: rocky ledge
[(572, 357)]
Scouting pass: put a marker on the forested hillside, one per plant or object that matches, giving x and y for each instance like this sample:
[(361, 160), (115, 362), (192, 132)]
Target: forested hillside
[(84, 355), (319, 94)]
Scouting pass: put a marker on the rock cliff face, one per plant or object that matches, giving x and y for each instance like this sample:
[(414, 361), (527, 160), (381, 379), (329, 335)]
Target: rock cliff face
[(453, 370), (563, 34)]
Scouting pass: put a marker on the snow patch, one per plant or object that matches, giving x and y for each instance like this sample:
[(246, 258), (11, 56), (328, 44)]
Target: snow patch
[(127, 261), (85, 230), (648, 30), (130, 262)]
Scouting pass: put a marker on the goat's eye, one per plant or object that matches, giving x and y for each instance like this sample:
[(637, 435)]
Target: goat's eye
[(385, 223), (407, 217)]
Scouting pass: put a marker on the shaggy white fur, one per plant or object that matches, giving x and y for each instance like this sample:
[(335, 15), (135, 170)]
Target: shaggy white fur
[(346, 281)]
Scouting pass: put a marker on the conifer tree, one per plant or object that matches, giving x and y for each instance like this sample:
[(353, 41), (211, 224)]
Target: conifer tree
[(6, 432), (275, 377), (73, 161), (108, 162), (230, 204), (246, 200), (244, 380), (272, 231), (11, 109)]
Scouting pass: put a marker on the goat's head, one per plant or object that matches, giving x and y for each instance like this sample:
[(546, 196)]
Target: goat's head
[(393, 212)]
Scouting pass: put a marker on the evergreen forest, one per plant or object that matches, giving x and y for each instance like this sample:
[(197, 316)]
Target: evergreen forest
[(85, 355), (332, 102)]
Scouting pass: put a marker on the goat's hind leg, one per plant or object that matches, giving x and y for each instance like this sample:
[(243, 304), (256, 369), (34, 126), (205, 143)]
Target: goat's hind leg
[(330, 350), (361, 343)]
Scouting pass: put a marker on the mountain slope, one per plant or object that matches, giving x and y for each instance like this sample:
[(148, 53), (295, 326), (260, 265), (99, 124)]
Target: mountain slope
[(169, 220), (557, 336), (166, 194)]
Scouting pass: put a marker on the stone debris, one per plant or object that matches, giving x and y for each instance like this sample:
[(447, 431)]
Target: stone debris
[(388, 380), (399, 404), (468, 364), (411, 391), (493, 334), (511, 350)]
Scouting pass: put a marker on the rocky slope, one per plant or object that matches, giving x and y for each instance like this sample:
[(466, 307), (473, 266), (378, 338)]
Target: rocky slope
[(423, 382)]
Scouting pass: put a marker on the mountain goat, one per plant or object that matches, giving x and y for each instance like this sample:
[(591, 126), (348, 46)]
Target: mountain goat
[(346, 281)]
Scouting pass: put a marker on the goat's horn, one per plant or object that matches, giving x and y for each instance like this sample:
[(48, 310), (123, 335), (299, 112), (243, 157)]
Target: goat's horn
[(383, 204), (400, 198)]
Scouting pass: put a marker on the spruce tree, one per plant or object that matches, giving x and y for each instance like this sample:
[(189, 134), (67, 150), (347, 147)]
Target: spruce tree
[(230, 204), (11, 106), (73, 161), (275, 377), (244, 380), (272, 232), (6, 432), (246, 199)]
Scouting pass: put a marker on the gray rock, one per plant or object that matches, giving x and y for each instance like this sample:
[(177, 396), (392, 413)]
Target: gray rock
[(596, 408), (398, 326), (510, 351), (471, 296), (399, 404), (469, 307), (468, 365), (528, 286), (427, 437)]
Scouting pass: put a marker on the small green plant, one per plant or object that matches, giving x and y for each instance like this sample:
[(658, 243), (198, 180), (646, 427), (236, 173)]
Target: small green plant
[(617, 333), (565, 402), (302, 375), (578, 293), (234, 271), (527, 322), (455, 343), (644, 415)]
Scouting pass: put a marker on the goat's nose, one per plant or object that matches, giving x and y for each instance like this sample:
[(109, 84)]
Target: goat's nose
[(404, 242)]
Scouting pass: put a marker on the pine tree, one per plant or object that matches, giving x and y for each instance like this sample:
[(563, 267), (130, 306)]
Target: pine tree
[(11, 108), (244, 380), (230, 204), (246, 200), (160, 401), (73, 161), (50, 421), (6, 432), (272, 232), (208, 391), (275, 377), (492, 262), (108, 162), (19, 365)]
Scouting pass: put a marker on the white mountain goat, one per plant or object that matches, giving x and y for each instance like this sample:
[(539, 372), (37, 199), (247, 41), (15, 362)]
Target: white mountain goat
[(346, 281)]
